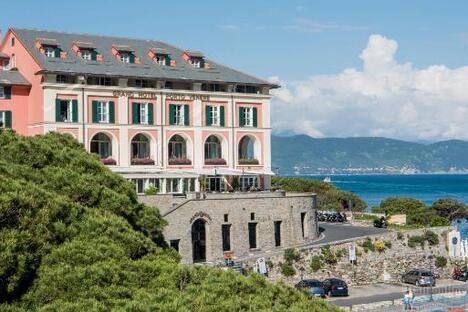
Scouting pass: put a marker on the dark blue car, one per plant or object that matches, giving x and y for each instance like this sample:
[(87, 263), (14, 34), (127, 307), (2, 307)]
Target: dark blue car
[(312, 286), (335, 287)]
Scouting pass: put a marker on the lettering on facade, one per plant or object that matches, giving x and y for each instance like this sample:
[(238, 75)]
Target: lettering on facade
[(187, 97), (200, 214), (136, 95)]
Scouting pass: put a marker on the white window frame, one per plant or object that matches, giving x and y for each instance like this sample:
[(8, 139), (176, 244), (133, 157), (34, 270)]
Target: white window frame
[(2, 119), (160, 60), (2, 92), (216, 115), (49, 52), (248, 116), (143, 113), (124, 57), (86, 55), (103, 111), (196, 63), (179, 115), (69, 117)]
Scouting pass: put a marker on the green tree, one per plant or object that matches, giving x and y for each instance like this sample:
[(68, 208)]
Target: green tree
[(450, 208)]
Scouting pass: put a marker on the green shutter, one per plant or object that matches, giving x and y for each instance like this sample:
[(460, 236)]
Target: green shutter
[(7, 119), (168, 60), (135, 113), (241, 116), (58, 118), (75, 110), (186, 115), (7, 92), (93, 55), (254, 117), (221, 112), (95, 114), (202, 63), (57, 52), (171, 113), (131, 57), (111, 112), (150, 114), (208, 119)]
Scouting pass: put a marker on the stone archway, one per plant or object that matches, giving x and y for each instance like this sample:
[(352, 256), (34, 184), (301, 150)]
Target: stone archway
[(199, 240)]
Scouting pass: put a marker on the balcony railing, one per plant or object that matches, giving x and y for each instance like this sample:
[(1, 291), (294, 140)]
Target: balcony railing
[(246, 161), (109, 161), (179, 162), (142, 162), (215, 161)]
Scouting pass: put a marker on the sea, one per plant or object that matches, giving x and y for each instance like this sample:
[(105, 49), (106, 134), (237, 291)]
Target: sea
[(373, 188)]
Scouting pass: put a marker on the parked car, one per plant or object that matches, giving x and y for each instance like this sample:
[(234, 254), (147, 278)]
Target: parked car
[(312, 286), (419, 278), (335, 287)]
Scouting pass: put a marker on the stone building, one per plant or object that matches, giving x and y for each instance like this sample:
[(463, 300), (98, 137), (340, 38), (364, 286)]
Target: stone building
[(207, 228)]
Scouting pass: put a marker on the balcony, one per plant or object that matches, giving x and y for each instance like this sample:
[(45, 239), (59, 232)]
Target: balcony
[(246, 161), (180, 162), (215, 162), (109, 161), (142, 162)]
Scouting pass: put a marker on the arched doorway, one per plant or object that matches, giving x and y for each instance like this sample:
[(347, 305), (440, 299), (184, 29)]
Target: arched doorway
[(101, 144), (199, 240)]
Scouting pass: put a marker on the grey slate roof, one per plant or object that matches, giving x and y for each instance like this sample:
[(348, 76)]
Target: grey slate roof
[(111, 66), (12, 77)]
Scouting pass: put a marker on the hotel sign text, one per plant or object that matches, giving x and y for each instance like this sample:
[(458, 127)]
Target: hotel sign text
[(136, 95), (169, 96), (187, 97)]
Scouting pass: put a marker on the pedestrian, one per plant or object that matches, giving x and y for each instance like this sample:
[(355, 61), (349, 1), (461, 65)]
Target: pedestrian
[(407, 300), (411, 296)]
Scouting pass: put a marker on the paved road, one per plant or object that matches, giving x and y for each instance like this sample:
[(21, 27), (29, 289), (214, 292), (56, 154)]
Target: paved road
[(337, 232), (397, 295)]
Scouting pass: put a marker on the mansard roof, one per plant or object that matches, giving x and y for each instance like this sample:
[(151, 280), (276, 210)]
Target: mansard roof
[(112, 66)]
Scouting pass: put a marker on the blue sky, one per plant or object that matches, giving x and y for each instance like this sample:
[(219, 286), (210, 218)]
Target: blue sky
[(290, 39), (347, 68)]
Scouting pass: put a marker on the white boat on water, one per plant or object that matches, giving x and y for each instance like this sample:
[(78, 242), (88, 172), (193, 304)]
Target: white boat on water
[(327, 180)]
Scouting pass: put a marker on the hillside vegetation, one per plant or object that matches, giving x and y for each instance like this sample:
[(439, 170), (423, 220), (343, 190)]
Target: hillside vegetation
[(365, 155), (329, 197), (73, 237)]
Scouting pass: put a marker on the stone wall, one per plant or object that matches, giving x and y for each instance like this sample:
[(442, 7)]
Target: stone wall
[(266, 209), (371, 267)]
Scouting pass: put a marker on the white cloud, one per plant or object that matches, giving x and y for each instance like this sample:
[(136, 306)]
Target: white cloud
[(385, 98)]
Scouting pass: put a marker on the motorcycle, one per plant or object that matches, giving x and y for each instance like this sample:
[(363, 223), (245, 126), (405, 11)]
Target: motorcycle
[(380, 223)]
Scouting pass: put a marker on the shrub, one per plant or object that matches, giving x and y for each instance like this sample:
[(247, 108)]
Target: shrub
[(440, 262), (431, 237), (388, 244), (329, 256), (399, 236), (291, 255), (379, 245), (367, 245), (287, 269), (416, 240), (151, 190), (270, 264), (315, 263)]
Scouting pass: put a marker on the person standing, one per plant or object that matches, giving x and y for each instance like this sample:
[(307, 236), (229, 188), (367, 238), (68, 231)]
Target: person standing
[(411, 298), (407, 300)]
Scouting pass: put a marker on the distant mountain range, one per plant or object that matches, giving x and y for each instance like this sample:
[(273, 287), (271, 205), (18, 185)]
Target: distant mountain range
[(302, 154)]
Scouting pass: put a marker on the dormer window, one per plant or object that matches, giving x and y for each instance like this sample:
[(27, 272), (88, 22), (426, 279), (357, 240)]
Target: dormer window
[(86, 55), (125, 54), (162, 60), (160, 56), (124, 57), (196, 63), (195, 58), (50, 52)]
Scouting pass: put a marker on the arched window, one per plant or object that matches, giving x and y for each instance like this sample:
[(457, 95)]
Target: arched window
[(177, 148), (213, 148), (101, 144), (246, 148), (140, 147)]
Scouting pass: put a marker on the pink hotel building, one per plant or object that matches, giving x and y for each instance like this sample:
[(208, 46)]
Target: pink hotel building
[(156, 114)]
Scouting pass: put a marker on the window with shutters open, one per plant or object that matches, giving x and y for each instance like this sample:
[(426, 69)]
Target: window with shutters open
[(248, 116), (103, 112), (179, 113), (2, 92), (65, 111)]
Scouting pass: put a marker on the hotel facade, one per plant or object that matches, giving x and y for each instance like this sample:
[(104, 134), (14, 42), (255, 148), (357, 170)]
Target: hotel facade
[(169, 120)]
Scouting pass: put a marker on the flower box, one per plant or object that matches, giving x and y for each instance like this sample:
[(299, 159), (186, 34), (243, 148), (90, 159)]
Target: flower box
[(180, 162), (142, 162), (215, 161), (248, 162), (109, 162)]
